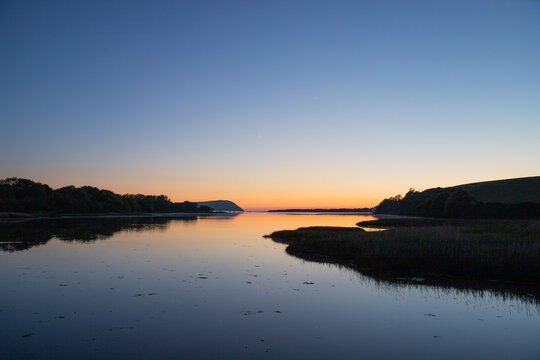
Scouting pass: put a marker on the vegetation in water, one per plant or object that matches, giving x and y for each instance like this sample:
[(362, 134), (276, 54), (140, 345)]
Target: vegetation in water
[(505, 250)]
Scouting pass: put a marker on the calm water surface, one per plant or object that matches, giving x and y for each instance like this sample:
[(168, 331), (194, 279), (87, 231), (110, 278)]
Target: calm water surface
[(214, 288)]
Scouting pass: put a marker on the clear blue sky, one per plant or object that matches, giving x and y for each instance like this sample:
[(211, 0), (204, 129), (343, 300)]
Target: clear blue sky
[(270, 103)]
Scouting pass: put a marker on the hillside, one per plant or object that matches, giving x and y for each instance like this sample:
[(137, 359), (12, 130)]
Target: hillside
[(519, 198), (509, 191), (220, 205)]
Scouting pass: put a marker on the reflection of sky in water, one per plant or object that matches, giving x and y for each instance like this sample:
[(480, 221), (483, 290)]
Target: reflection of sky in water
[(214, 288)]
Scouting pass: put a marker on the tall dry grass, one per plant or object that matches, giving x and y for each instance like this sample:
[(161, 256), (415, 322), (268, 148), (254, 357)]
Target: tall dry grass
[(499, 250)]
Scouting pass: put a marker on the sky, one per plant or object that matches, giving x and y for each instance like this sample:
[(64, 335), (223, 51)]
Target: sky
[(270, 104)]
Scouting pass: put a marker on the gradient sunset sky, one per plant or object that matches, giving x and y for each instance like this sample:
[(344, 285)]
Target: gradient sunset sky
[(271, 104)]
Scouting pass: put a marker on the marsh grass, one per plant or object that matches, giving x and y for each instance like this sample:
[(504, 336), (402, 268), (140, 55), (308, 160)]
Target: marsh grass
[(492, 250)]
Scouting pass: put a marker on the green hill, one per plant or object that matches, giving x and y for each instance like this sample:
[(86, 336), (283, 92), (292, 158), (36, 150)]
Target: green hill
[(519, 198), (508, 191)]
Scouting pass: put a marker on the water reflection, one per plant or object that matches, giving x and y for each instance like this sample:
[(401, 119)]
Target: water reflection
[(208, 287), (23, 235), (479, 292)]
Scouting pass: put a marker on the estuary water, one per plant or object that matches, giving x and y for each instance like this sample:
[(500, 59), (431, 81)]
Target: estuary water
[(211, 287)]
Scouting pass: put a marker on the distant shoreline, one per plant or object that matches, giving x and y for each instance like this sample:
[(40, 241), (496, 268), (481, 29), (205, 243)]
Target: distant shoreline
[(342, 210)]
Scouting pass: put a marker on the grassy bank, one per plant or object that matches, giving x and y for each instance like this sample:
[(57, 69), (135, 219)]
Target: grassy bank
[(507, 251)]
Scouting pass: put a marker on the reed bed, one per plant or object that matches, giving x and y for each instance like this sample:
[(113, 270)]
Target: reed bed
[(493, 250)]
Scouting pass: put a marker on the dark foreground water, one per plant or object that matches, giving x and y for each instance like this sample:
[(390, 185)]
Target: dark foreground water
[(213, 288)]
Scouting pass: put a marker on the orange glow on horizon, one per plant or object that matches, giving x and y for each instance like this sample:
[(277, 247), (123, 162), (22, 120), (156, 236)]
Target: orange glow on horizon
[(253, 199), (249, 198), (256, 192)]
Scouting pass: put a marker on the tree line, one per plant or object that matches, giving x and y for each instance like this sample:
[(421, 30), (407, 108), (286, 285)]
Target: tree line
[(453, 203), (23, 195)]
